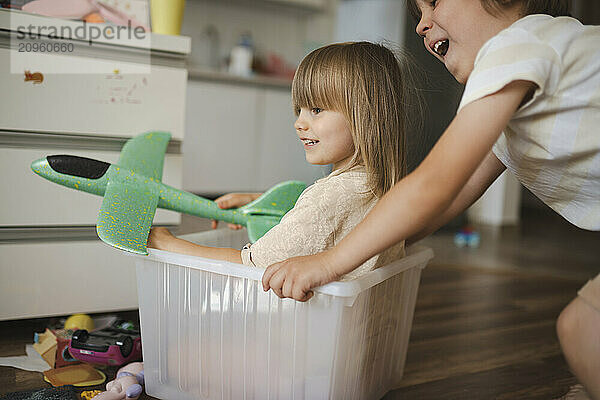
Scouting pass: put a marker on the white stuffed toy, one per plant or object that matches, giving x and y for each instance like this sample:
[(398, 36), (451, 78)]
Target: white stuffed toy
[(128, 384)]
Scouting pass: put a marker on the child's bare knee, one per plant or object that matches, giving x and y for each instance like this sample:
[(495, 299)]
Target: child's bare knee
[(568, 321)]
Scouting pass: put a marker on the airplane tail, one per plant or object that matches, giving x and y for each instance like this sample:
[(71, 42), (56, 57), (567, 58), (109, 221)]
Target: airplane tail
[(259, 225), (276, 201), (266, 211)]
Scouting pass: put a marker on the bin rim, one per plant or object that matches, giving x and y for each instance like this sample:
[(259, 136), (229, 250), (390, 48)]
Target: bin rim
[(417, 256)]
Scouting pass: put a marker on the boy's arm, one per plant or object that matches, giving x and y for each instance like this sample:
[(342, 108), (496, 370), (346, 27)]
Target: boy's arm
[(160, 238), (487, 172), (414, 202)]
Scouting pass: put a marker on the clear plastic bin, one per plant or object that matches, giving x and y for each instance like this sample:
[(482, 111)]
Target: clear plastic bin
[(209, 331)]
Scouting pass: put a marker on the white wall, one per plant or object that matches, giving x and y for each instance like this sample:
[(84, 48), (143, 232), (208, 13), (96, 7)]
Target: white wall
[(500, 204), (288, 31), (372, 20)]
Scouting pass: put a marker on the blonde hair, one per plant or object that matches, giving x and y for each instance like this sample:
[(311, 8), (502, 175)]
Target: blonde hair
[(376, 93)]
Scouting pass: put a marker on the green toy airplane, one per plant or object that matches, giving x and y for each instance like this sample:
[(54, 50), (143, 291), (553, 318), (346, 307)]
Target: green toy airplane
[(132, 190)]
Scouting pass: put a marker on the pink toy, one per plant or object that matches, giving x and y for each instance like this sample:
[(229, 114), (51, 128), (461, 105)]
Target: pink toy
[(128, 384), (116, 344), (78, 9)]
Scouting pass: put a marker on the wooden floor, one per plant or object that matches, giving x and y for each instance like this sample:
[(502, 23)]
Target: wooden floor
[(478, 332)]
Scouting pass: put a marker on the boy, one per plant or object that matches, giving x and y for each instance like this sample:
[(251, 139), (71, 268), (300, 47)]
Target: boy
[(531, 104)]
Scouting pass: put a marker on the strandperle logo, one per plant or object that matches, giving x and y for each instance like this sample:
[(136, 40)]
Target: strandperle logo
[(54, 46), (85, 32)]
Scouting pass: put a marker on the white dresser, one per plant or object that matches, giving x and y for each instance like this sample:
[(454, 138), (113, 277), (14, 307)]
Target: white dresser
[(83, 98)]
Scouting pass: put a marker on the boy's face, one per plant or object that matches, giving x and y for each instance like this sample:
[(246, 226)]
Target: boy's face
[(454, 31)]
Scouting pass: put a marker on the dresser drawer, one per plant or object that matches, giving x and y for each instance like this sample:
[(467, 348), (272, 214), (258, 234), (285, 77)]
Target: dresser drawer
[(110, 99), (58, 278), (29, 200)]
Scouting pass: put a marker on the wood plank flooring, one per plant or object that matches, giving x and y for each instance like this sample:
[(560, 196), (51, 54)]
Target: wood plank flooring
[(481, 334)]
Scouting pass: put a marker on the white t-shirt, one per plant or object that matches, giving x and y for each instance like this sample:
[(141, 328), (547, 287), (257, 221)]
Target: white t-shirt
[(323, 215), (552, 143)]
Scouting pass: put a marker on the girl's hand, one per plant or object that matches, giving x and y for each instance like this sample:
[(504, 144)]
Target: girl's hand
[(296, 276), (233, 200), (160, 238)]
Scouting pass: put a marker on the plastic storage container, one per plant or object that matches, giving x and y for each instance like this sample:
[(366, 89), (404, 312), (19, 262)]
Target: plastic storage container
[(209, 331)]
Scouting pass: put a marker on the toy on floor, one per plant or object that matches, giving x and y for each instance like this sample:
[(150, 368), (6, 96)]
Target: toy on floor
[(53, 346), (117, 344), (79, 321), (127, 385), (467, 236), (76, 375), (89, 394), (132, 190)]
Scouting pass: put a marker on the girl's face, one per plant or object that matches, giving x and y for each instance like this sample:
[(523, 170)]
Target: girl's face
[(454, 30), (326, 136)]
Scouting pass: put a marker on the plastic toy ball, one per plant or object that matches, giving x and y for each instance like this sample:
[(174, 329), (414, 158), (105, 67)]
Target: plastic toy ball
[(467, 237), (79, 321)]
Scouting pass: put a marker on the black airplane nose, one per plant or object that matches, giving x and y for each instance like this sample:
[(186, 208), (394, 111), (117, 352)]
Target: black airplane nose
[(78, 166)]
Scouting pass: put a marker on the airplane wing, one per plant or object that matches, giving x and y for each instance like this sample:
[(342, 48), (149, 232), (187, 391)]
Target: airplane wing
[(266, 211), (127, 212), (145, 154)]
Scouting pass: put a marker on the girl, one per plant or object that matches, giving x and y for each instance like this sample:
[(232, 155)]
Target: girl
[(532, 105), (351, 100)]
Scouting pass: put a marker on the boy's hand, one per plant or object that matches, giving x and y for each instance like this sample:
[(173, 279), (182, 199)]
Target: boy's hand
[(233, 200), (296, 276)]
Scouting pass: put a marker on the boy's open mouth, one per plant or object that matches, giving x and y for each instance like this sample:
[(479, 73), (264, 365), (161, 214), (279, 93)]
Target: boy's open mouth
[(441, 47)]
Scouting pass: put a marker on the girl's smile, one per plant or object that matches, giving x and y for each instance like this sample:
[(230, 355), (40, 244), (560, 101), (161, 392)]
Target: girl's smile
[(326, 137)]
